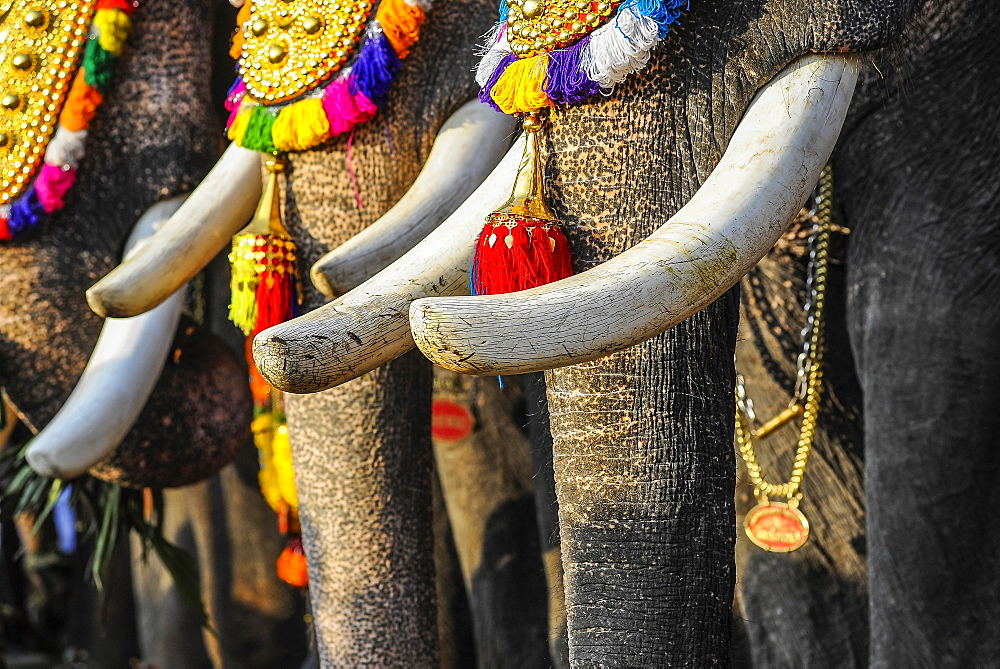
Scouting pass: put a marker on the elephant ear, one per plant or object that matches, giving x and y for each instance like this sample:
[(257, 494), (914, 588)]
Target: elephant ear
[(772, 163)]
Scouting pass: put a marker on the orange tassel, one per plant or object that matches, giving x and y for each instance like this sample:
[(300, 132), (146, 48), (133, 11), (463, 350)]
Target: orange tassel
[(401, 23), (81, 105), (291, 564), (236, 50)]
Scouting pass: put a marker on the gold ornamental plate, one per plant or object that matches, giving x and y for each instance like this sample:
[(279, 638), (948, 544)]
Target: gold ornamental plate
[(776, 527), (290, 46), (542, 25), (40, 41)]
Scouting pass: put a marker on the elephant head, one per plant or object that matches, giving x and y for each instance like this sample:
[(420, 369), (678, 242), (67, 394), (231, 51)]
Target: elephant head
[(149, 141)]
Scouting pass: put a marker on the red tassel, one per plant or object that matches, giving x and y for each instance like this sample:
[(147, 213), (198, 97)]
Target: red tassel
[(517, 252)]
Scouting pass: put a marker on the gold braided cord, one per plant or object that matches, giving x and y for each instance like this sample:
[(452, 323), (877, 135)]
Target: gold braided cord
[(814, 384)]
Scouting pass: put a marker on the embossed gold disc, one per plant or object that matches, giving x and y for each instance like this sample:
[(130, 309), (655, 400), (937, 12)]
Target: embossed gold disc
[(290, 46), (776, 527), (40, 41), (542, 25)]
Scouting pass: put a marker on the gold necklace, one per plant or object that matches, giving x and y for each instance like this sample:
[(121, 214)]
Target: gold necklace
[(780, 526)]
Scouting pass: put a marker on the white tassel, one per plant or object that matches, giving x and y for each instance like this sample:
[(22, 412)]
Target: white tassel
[(619, 48), (490, 60), (66, 148), (4, 211), (422, 4)]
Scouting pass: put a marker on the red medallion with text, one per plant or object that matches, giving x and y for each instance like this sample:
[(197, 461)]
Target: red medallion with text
[(776, 527)]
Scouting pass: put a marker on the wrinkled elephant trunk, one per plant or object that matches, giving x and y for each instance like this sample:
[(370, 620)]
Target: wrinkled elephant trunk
[(646, 495), (364, 485)]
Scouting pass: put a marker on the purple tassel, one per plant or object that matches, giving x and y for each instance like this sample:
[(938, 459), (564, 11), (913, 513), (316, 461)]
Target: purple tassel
[(26, 213), (567, 82), (484, 92), (374, 69), (65, 521)]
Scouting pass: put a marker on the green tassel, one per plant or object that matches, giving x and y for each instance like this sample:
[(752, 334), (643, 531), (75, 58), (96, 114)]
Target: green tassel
[(98, 66), (258, 134)]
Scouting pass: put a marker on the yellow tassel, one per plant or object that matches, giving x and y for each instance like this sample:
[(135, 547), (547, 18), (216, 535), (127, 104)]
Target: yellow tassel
[(243, 282), (300, 126), (263, 436), (521, 87), (401, 23), (113, 26), (239, 126), (281, 453)]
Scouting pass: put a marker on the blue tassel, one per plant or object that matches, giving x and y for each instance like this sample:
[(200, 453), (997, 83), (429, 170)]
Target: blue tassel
[(664, 12), (374, 69), (504, 10), (65, 522), (26, 214)]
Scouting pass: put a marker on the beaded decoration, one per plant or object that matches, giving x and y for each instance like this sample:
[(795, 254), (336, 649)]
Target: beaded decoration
[(299, 84), (546, 53), (44, 44)]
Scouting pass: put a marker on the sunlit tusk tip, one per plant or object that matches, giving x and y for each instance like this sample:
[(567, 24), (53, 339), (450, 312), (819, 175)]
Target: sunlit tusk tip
[(285, 363), (41, 463)]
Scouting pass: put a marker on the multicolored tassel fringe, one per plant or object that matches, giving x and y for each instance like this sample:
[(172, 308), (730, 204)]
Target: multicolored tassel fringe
[(264, 290), (522, 245), (109, 29), (276, 477), (349, 99), (564, 76)]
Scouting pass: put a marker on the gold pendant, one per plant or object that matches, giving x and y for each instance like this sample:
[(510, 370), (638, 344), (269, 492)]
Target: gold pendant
[(776, 527), (40, 41), (290, 46)]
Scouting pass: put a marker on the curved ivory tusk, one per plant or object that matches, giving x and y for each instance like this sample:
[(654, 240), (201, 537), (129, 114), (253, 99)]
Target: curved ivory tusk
[(467, 148), (369, 325), (221, 204), (772, 163), (118, 380)]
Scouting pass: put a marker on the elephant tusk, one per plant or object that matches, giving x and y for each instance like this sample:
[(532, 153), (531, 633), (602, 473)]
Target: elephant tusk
[(118, 380), (768, 170), (369, 325), (221, 204), (466, 149)]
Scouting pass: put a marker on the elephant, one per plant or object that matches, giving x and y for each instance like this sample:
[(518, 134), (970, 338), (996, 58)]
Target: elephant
[(890, 575), (151, 140), (645, 491), (363, 454)]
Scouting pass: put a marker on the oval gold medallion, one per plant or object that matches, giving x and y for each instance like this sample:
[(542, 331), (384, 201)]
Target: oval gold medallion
[(40, 42), (776, 527), (291, 46), (542, 25)]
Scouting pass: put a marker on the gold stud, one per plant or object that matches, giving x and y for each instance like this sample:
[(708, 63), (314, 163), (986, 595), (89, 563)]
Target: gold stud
[(532, 8), (312, 24), (276, 53), (34, 18), (10, 101), (258, 27), (22, 61)]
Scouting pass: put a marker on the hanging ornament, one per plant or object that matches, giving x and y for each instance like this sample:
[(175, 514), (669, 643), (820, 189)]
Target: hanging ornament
[(264, 275), (546, 53), (521, 245)]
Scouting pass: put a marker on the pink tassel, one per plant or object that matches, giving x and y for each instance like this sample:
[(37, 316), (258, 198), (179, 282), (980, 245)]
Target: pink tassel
[(343, 110), (52, 184)]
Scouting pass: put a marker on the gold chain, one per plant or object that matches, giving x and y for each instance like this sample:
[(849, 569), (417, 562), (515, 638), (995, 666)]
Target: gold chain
[(805, 403)]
